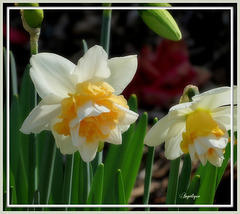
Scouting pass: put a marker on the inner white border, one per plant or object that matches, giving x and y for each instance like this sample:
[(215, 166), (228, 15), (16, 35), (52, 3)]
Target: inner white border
[(118, 8)]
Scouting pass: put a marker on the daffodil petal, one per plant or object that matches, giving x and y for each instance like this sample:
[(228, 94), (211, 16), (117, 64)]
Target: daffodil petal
[(220, 153), (216, 97), (177, 128), (93, 65), (40, 117), (123, 128), (88, 151), (158, 133), (123, 70), (51, 74), (130, 116), (115, 136), (223, 116), (76, 139), (64, 143), (203, 159), (88, 110), (192, 151), (172, 147), (52, 99), (215, 160), (180, 110), (200, 147), (212, 142)]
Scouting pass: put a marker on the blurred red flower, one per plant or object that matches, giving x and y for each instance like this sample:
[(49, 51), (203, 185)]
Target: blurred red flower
[(17, 36), (163, 74)]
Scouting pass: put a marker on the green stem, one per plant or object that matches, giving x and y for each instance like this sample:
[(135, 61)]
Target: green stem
[(148, 175), (106, 25), (173, 182), (34, 47), (184, 178), (46, 171), (67, 184)]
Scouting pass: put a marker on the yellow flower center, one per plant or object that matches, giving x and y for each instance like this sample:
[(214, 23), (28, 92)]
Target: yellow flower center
[(199, 124), (94, 127)]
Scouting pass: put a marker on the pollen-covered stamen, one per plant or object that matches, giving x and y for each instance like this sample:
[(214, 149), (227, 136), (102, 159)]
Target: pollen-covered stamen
[(199, 124), (97, 123)]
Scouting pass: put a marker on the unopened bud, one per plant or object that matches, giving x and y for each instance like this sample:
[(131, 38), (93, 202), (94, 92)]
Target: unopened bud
[(33, 17), (188, 92), (161, 21)]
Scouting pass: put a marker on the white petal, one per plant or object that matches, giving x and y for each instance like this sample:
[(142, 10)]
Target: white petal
[(158, 133), (200, 147), (222, 115), (115, 136), (52, 99), (88, 151), (215, 160), (64, 143), (219, 151), (39, 118), (123, 128), (88, 110), (177, 128), (215, 97), (51, 74), (181, 109), (172, 147), (76, 139), (123, 70), (93, 65), (192, 151), (203, 159), (212, 142), (130, 116)]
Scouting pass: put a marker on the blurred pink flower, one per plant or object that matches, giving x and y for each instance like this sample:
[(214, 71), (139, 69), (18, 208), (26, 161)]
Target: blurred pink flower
[(17, 36), (162, 74)]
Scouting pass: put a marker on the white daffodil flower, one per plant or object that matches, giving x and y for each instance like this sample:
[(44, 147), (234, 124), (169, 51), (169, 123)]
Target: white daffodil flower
[(80, 103), (198, 127)]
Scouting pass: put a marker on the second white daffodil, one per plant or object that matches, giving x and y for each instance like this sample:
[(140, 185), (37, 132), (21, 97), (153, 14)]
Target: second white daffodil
[(80, 103), (198, 127)]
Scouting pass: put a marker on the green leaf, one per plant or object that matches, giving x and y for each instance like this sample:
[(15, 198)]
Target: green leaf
[(57, 184), (95, 195), (120, 193), (132, 157), (192, 190), (148, 172), (13, 74), (84, 181), (85, 46), (208, 186), (160, 21), (148, 175), (67, 184), (14, 135), (46, 168), (75, 180), (173, 182), (184, 178)]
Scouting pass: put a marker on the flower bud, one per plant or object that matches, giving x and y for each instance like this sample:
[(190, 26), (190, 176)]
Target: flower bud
[(160, 21), (188, 92), (32, 17)]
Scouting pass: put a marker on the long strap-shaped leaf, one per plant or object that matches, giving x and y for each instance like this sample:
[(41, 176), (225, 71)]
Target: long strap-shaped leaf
[(95, 195), (208, 186)]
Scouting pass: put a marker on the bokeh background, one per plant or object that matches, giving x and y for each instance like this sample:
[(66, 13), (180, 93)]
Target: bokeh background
[(165, 67)]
